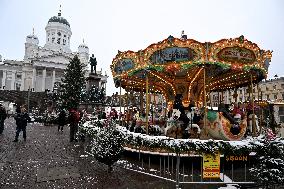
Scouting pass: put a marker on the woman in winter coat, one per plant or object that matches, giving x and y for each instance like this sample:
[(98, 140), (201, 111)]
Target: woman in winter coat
[(3, 116), (22, 118)]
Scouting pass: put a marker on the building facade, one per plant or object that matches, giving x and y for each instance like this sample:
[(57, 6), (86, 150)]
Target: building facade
[(43, 67), (271, 90)]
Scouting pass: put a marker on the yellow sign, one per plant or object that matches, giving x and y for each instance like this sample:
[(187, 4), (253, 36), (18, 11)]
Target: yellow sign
[(211, 166)]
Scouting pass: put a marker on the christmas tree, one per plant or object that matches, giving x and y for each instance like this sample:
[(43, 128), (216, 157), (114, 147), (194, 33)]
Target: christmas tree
[(72, 84), (107, 144)]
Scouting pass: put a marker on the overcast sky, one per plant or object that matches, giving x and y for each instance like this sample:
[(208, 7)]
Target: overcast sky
[(111, 25)]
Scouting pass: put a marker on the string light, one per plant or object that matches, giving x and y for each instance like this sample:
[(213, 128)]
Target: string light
[(239, 74)]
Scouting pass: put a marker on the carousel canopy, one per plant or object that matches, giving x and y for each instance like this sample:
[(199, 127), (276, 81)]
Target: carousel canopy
[(178, 66)]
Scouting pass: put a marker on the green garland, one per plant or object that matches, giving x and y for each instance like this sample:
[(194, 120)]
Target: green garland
[(166, 144)]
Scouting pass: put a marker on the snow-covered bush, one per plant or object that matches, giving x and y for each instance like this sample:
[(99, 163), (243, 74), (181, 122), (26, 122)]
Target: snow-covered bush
[(107, 144), (269, 168)]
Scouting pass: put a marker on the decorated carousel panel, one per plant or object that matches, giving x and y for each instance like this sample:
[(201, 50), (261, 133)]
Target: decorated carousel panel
[(219, 127)]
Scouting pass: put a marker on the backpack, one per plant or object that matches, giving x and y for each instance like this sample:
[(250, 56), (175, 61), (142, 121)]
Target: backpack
[(75, 116)]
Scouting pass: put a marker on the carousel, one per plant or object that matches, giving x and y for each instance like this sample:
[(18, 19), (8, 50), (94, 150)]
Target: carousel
[(186, 71)]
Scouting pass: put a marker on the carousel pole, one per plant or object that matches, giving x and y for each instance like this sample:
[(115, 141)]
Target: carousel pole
[(141, 102), (166, 107), (204, 91), (127, 111), (205, 107), (120, 103), (153, 105), (147, 103), (253, 118), (258, 99)]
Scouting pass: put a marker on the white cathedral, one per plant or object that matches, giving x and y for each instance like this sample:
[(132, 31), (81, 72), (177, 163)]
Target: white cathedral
[(43, 67)]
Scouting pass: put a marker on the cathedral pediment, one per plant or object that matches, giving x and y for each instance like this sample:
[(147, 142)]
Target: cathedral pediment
[(57, 59)]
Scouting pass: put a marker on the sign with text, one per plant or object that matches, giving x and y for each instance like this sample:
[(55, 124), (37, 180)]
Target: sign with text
[(172, 54), (236, 54), (211, 166)]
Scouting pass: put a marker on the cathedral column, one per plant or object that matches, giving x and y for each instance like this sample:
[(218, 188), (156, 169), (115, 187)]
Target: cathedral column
[(23, 81), (53, 78), (43, 79), (13, 80), (4, 79), (34, 79)]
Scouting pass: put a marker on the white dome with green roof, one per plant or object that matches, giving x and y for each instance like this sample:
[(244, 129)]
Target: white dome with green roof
[(58, 34)]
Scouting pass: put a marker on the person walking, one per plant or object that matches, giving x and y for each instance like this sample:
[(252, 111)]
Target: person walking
[(22, 118), (74, 118), (61, 120), (3, 116)]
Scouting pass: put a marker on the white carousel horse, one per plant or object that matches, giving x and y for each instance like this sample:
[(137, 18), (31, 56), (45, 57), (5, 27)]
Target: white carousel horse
[(250, 123), (171, 122), (174, 126), (190, 115)]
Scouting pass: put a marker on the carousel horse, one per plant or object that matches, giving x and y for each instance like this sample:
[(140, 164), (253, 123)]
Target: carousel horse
[(173, 128)]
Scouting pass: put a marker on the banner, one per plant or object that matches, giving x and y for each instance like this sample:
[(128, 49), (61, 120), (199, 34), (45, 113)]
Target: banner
[(211, 166)]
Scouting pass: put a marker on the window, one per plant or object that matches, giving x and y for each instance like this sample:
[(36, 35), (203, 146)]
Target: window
[(53, 39), (274, 87), (282, 96), (281, 113), (64, 35), (267, 97), (18, 86), (19, 76), (39, 73), (64, 41), (49, 74), (282, 86), (58, 33), (275, 96), (58, 41), (267, 88)]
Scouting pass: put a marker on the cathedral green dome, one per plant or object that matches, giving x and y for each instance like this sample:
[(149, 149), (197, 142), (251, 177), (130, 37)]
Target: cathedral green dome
[(59, 19)]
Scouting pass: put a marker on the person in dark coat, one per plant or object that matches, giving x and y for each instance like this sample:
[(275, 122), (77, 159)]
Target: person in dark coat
[(3, 116), (61, 120), (22, 118), (73, 119)]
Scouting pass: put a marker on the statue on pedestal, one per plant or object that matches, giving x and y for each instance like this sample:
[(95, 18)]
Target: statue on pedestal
[(93, 63)]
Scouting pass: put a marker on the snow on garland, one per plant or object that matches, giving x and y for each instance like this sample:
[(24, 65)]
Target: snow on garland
[(163, 143)]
